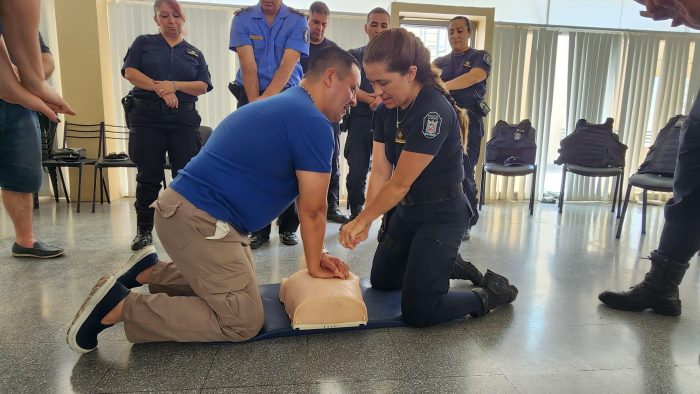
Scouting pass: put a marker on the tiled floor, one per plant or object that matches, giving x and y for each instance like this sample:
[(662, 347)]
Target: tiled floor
[(556, 337)]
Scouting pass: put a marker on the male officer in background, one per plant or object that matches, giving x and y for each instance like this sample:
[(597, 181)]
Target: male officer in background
[(358, 146), (318, 21), (269, 39)]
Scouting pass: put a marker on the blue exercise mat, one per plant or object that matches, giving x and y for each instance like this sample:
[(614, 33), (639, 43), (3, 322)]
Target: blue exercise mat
[(383, 310)]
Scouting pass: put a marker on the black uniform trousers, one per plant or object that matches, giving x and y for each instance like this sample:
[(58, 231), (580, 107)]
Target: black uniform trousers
[(475, 135), (334, 184), (680, 237), (358, 152), (416, 254), (151, 135)]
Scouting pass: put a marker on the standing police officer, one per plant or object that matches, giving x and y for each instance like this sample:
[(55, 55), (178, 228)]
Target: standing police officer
[(464, 72), (269, 40), (358, 146), (318, 21), (168, 74)]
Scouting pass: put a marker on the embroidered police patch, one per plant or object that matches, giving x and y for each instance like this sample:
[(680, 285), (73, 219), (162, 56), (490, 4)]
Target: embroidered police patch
[(306, 35), (431, 125)]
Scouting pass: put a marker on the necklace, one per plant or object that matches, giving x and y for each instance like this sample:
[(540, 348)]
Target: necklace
[(309, 93), (400, 138)]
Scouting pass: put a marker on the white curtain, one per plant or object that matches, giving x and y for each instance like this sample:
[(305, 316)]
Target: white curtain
[(521, 86)]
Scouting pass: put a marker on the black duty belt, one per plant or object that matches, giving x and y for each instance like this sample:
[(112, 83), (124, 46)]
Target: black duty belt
[(157, 106), (432, 195)]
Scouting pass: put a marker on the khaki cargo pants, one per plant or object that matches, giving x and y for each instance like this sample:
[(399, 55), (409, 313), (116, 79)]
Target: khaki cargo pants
[(209, 291)]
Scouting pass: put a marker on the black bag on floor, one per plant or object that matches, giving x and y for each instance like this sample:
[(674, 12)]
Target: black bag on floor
[(661, 159), (512, 144), (592, 145)]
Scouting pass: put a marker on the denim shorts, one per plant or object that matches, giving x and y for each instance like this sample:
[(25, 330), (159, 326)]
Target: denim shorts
[(20, 149)]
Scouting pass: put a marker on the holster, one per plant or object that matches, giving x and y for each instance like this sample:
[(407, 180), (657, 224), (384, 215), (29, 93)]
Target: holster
[(127, 104), (238, 92)]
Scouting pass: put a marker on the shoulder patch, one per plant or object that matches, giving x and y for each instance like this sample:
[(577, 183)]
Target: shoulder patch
[(487, 59), (242, 10), (296, 11), (431, 125)]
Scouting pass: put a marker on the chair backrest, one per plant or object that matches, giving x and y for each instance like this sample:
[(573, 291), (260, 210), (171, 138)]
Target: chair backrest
[(512, 144), (112, 132), (204, 134), (592, 145), (48, 135), (662, 155), (77, 132)]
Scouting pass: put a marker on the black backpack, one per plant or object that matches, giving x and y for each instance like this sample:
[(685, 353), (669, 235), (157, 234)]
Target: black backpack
[(592, 145), (512, 144), (661, 159)]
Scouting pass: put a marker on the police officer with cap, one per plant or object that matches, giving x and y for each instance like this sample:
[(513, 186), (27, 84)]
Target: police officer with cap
[(269, 39)]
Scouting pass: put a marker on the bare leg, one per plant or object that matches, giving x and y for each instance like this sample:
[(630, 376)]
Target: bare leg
[(19, 207)]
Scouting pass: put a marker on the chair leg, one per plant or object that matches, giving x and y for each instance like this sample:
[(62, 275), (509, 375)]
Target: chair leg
[(482, 192), (617, 186), (561, 191), (619, 198), (104, 187), (102, 181), (624, 211), (63, 183), (94, 188), (54, 182), (532, 190), (80, 184), (644, 212)]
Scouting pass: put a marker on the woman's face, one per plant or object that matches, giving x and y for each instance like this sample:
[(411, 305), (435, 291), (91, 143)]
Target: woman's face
[(395, 89), (169, 20), (459, 34)]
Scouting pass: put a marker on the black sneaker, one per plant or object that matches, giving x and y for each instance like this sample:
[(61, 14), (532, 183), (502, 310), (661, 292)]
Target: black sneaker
[(38, 250), (334, 215), (142, 259), (289, 238), (83, 331), (257, 241), (142, 239), (465, 270)]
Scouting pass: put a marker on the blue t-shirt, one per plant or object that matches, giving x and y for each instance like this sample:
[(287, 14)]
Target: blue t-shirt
[(154, 57), (431, 127), (289, 30), (245, 174), (455, 64)]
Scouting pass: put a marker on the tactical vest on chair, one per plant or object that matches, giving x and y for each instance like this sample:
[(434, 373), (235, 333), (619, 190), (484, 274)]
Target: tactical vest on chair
[(592, 145), (512, 144), (661, 159)]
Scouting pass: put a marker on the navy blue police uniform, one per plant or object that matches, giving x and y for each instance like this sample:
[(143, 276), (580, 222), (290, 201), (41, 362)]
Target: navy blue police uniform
[(418, 248), (289, 30), (154, 127), (454, 65), (358, 145), (334, 184)]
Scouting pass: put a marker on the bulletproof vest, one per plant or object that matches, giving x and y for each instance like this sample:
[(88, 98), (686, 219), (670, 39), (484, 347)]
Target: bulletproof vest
[(512, 144), (661, 159), (592, 145)]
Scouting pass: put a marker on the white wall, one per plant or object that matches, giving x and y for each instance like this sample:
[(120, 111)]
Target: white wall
[(612, 14)]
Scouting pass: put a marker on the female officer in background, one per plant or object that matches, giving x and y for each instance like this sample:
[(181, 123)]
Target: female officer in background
[(168, 74), (417, 167), (464, 72)]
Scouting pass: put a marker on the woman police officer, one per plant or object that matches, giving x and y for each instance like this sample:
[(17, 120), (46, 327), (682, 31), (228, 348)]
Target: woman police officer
[(417, 167), (464, 71), (168, 74)]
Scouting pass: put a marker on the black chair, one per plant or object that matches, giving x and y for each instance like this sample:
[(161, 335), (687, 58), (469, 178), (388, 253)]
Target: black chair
[(48, 140), (112, 160), (204, 134), (645, 182), (593, 172), (72, 132), (514, 170)]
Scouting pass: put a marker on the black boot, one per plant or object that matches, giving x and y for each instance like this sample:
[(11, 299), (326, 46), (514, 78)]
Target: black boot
[(465, 270), (494, 291), (658, 291), (142, 239)]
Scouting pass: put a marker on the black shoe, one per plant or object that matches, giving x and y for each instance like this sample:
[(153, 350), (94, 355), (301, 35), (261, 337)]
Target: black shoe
[(257, 241), (465, 270), (38, 250), (495, 291), (658, 291), (83, 331), (36, 200), (141, 260), (142, 239), (289, 238), (467, 235), (334, 215)]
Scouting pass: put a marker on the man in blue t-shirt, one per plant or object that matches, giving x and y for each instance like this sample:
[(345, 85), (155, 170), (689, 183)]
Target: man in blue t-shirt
[(259, 160)]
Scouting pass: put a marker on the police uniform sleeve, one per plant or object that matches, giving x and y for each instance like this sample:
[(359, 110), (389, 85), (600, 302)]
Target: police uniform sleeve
[(134, 54), (483, 61), (429, 129), (298, 38), (239, 35), (42, 45), (203, 71), (378, 124), (312, 146)]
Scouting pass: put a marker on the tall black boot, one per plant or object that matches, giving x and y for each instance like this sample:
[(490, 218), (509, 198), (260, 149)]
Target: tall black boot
[(465, 270), (144, 228), (658, 291), (495, 291)]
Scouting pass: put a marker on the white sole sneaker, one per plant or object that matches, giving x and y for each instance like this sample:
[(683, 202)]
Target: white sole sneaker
[(135, 258), (101, 288)]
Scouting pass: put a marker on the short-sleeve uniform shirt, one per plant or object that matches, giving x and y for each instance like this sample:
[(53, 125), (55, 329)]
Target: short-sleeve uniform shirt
[(288, 31), (455, 64), (313, 50)]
